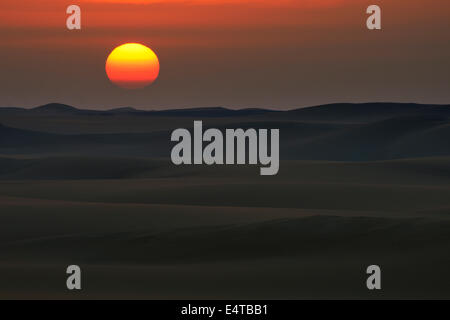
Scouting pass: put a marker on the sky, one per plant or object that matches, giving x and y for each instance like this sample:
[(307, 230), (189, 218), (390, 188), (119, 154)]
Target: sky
[(252, 53)]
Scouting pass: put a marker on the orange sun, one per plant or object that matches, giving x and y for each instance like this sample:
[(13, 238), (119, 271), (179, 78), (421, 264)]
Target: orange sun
[(132, 66)]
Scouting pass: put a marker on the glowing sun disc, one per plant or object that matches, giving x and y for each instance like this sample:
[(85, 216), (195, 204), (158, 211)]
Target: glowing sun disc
[(132, 66)]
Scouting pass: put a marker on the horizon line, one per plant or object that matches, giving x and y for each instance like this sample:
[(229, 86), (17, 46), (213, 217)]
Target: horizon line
[(269, 109)]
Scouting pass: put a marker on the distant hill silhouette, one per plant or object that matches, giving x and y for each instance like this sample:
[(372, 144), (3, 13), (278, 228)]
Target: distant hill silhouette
[(214, 112), (55, 108), (337, 112), (344, 132), (63, 109), (123, 110)]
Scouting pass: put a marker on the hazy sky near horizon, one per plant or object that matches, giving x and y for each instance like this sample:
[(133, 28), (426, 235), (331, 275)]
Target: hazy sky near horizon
[(248, 53)]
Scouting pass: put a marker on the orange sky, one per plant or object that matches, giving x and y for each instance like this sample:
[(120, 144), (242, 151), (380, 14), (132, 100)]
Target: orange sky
[(250, 52)]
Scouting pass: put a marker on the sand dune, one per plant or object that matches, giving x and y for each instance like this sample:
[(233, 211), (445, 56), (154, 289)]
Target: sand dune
[(358, 185), (307, 233)]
